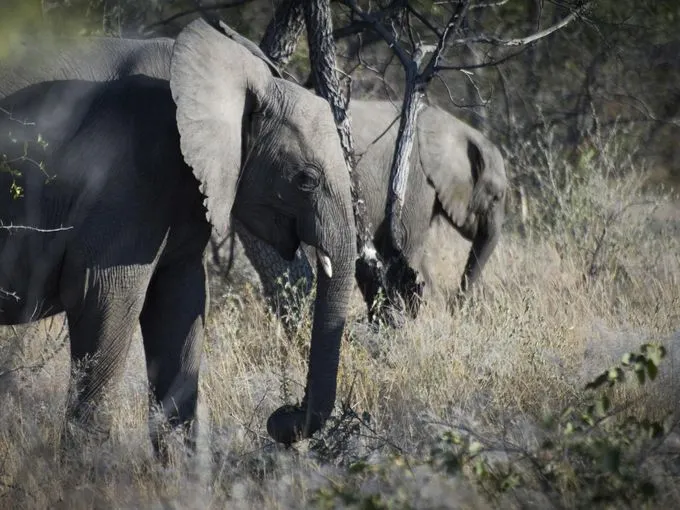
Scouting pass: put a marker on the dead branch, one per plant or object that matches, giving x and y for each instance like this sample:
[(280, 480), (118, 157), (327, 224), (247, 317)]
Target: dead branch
[(195, 10), (415, 85), (12, 227), (45, 357), (524, 41)]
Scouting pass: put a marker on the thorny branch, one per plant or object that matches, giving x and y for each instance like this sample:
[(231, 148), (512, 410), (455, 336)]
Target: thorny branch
[(45, 357)]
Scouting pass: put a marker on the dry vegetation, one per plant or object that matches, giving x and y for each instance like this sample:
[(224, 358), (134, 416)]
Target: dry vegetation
[(553, 312)]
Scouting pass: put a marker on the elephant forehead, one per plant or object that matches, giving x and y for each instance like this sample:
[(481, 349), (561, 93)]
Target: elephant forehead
[(312, 138), (306, 110), (313, 119)]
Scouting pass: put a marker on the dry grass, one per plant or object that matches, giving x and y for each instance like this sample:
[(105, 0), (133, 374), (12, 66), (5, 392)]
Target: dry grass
[(523, 347)]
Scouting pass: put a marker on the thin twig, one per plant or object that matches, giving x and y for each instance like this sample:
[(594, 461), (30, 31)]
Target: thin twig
[(524, 41), (41, 364), (188, 12), (12, 227)]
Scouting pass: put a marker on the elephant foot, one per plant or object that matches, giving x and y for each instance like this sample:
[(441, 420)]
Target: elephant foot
[(289, 424), (455, 302), (77, 433)]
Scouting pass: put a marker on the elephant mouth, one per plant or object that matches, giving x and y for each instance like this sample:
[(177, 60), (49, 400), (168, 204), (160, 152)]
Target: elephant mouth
[(289, 241)]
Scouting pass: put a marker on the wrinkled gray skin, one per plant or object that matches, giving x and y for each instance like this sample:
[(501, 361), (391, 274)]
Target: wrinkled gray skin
[(131, 143), (458, 175)]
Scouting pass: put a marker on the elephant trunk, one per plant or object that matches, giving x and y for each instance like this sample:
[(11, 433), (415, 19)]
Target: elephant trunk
[(483, 243), (291, 423)]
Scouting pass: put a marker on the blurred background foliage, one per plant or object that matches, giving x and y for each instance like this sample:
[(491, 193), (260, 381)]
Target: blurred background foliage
[(617, 67)]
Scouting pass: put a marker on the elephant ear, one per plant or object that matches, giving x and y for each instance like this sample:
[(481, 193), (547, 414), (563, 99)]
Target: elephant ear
[(450, 160), (216, 84)]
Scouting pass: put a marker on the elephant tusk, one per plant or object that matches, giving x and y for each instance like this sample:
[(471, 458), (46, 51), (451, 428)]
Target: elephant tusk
[(325, 262)]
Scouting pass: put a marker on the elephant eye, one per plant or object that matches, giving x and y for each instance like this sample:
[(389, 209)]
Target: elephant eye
[(308, 179)]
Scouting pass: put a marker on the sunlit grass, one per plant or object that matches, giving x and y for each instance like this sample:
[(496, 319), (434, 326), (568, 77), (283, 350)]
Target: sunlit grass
[(522, 347)]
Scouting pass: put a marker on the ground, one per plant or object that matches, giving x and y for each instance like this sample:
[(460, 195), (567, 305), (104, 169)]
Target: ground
[(549, 317)]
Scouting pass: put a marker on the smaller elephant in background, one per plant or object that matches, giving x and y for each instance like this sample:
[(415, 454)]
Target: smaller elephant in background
[(457, 174)]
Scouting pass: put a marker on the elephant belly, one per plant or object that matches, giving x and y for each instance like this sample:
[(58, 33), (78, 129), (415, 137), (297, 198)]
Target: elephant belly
[(29, 279)]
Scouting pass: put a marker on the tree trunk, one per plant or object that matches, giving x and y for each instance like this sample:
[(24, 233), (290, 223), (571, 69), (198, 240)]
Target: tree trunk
[(402, 157), (281, 36), (369, 269), (317, 14)]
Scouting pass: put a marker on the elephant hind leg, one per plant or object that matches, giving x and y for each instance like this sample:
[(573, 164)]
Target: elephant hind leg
[(172, 322), (101, 321)]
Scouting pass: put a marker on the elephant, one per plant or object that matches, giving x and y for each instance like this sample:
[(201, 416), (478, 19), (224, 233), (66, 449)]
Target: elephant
[(457, 174), (148, 145)]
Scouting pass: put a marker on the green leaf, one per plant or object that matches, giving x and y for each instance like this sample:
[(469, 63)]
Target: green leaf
[(359, 467), (651, 370), (611, 460), (480, 468), (16, 191), (616, 374), (598, 381), (654, 352), (587, 417), (602, 405), (475, 447)]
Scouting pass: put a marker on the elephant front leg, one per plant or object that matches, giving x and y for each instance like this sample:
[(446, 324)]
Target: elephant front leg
[(101, 326), (172, 322), (285, 284)]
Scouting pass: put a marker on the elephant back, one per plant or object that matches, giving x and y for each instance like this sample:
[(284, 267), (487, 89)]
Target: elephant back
[(456, 158), (375, 126), (83, 58)]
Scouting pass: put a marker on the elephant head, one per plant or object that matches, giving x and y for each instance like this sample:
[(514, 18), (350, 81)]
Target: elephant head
[(267, 151), (468, 174)]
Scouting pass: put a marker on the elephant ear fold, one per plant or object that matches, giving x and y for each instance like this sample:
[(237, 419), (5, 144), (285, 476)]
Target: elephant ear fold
[(216, 83), (450, 161)]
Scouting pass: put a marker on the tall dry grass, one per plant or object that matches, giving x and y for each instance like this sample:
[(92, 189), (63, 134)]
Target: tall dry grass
[(593, 275)]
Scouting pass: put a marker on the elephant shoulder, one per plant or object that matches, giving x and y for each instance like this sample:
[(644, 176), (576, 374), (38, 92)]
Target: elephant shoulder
[(371, 119), (83, 58)]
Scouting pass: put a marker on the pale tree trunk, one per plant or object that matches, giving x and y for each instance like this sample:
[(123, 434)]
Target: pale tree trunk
[(403, 279), (401, 284), (402, 156)]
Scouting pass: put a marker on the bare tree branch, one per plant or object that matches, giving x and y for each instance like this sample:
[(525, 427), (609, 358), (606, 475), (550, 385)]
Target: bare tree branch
[(12, 227), (195, 10), (423, 20), (524, 41)]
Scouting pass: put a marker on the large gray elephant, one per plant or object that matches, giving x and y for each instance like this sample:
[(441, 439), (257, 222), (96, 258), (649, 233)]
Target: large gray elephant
[(457, 174), (144, 139)]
